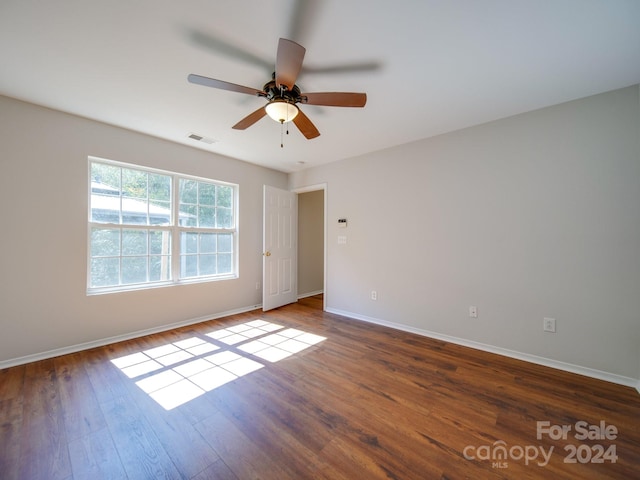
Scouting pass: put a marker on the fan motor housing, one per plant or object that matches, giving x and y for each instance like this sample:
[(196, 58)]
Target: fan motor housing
[(274, 93)]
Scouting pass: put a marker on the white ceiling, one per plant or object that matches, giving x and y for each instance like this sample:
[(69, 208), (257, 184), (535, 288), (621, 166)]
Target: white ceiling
[(433, 66)]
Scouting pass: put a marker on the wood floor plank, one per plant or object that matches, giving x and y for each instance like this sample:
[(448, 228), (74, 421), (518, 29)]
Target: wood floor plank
[(108, 382), (12, 382), (238, 452), (44, 452), (95, 456), (80, 409), (10, 433), (267, 422), (198, 409), (141, 453), (184, 445), (11, 418), (358, 460), (216, 471), (264, 403), (390, 438)]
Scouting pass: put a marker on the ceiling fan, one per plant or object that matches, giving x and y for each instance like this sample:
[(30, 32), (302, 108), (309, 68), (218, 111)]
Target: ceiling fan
[(282, 93)]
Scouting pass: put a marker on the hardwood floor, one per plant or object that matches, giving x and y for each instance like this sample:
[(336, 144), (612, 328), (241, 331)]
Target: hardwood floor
[(351, 400)]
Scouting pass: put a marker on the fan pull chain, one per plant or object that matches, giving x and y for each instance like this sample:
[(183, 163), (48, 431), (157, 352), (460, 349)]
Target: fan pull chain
[(282, 129), (287, 121), (281, 123)]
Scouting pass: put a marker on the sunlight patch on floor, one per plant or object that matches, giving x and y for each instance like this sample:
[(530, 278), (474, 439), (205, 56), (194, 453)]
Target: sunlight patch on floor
[(281, 345), (177, 372)]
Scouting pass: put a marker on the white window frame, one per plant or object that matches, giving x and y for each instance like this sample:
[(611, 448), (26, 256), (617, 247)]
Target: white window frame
[(174, 228)]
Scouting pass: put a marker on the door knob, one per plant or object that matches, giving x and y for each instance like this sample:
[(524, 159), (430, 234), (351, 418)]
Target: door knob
[(267, 254)]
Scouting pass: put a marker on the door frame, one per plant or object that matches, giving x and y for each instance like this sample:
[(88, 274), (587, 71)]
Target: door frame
[(324, 188)]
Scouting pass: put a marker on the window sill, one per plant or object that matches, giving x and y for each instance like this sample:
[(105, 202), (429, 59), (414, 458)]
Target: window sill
[(134, 288)]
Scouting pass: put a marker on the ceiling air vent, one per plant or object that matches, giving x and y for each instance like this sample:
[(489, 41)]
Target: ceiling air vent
[(202, 139)]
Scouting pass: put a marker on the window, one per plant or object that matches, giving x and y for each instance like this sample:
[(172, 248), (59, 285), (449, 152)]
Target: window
[(135, 240)]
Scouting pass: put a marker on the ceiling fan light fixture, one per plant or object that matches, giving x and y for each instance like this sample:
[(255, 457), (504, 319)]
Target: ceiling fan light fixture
[(281, 110)]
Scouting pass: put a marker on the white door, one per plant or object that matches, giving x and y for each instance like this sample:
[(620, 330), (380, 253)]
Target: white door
[(279, 254)]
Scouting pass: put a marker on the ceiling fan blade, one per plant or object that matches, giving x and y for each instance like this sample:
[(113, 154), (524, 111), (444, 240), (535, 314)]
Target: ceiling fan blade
[(335, 99), (370, 66), (212, 82), (303, 16), (250, 119), (306, 127), (288, 62), (216, 44)]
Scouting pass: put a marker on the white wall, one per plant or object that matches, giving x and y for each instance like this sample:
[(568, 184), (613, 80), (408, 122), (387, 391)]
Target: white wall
[(528, 217), (43, 246)]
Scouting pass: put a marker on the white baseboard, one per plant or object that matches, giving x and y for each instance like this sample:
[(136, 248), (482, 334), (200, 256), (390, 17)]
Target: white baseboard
[(119, 338), (547, 362), (310, 294)]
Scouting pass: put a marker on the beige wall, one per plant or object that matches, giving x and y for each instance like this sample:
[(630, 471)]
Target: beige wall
[(528, 217), (43, 246), (310, 242)]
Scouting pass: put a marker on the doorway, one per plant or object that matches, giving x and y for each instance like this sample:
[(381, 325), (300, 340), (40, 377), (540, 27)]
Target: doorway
[(311, 241)]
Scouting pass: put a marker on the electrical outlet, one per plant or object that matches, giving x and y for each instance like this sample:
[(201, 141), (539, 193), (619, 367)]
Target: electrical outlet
[(549, 325), (257, 285), (473, 311), (374, 295)]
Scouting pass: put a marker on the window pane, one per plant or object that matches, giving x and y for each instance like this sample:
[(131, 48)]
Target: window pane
[(105, 208), (159, 268), (130, 205), (134, 183), (188, 266), (134, 270), (225, 242), (206, 216), (105, 193), (134, 242), (105, 272), (224, 263), (198, 201), (208, 242), (191, 243), (105, 242), (188, 242), (206, 194), (160, 213), (188, 191), (159, 242), (188, 215), (135, 211), (224, 196), (224, 218), (159, 188), (207, 265), (105, 176)]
